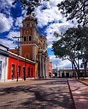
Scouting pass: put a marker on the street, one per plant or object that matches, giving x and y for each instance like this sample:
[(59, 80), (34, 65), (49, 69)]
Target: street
[(36, 94)]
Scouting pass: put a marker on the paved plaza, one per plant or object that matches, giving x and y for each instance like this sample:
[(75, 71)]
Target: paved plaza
[(36, 94)]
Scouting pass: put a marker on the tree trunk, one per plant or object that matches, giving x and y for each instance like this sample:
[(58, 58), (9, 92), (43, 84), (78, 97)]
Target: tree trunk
[(85, 66), (77, 69)]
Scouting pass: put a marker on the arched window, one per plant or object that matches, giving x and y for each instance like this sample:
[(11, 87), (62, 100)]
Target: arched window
[(27, 25), (29, 38), (19, 69), (13, 71), (24, 73), (28, 71), (24, 38)]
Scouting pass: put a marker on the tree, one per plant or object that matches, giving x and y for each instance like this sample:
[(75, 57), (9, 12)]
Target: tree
[(29, 5), (84, 36), (75, 9), (72, 46)]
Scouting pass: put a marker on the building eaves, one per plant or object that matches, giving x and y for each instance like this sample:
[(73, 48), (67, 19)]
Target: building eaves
[(5, 53), (20, 57)]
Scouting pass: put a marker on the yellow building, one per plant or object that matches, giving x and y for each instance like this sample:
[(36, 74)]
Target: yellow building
[(33, 47)]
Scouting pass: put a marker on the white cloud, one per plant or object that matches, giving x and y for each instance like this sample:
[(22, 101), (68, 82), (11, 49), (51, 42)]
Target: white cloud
[(58, 28), (13, 34), (9, 2), (49, 14), (5, 23), (5, 6), (55, 2), (59, 63), (8, 43), (18, 22)]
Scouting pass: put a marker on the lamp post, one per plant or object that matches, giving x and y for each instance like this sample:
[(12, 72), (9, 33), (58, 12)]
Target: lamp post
[(25, 66), (18, 55)]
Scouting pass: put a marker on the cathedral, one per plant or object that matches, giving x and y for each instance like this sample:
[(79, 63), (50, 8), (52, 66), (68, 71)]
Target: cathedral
[(33, 47)]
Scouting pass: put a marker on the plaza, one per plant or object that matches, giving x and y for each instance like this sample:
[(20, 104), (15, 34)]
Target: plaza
[(52, 93), (36, 94)]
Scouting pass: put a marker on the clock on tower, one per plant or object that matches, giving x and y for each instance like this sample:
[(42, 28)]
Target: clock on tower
[(27, 32)]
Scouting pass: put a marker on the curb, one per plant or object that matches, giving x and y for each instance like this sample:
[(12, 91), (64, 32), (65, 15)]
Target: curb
[(71, 95), (83, 82)]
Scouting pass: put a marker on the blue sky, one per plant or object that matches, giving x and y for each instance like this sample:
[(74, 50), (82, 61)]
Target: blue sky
[(50, 20)]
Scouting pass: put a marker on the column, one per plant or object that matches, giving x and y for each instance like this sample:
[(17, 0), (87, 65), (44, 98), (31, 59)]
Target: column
[(47, 72), (33, 33), (43, 66), (34, 52), (40, 65)]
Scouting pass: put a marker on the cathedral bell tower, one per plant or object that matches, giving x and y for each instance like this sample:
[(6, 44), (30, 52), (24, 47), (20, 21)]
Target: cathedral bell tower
[(29, 38)]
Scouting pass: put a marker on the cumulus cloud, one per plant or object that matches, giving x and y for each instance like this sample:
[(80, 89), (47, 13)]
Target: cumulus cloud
[(5, 6), (18, 22), (48, 12), (5, 23), (49, 15), (9, 2), (59, 63), (8, 43), (13, 34), (58, 28)]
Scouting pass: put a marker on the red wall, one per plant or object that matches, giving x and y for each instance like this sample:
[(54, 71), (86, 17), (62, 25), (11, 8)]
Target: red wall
[(16, 62)]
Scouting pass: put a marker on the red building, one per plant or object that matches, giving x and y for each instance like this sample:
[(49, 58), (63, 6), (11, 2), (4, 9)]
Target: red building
[(20, 68)]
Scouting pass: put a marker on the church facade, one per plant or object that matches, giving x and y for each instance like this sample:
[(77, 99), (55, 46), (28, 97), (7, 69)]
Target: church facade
[(33, 47)]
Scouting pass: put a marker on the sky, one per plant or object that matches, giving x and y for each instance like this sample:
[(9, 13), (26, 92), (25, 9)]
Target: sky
[(49, 18)]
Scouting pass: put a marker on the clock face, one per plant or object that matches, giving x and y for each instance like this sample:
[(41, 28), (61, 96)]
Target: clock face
[(27, 32)]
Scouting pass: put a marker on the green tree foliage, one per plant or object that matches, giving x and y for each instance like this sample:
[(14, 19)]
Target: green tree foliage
[(73, 46), (29, 5), (75, 9)]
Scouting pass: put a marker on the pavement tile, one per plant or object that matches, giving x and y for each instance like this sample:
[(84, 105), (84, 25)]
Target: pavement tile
[(80, 94)]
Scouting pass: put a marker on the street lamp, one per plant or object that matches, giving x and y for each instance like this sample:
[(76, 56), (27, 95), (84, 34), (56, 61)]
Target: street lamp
[(25, 66), (18, 54)]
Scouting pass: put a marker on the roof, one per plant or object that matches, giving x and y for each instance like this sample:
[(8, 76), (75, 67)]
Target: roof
[(20, 57), (5, 53), (29, 18), (42, 36), (70, 69), (40, 43)]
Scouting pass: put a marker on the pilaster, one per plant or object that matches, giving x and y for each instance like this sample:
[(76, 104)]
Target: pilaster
[(43, 66), (40, 66), (34, 53), (33, 33), (47, 72)]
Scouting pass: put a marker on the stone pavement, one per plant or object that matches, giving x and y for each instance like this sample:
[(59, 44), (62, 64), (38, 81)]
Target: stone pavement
[(79, 93), (36, 94)]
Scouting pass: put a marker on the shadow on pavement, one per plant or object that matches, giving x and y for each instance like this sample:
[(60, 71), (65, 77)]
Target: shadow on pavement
[(48, 95)]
